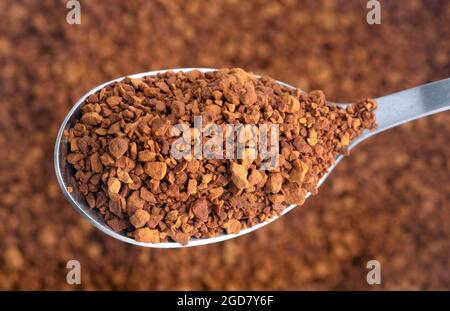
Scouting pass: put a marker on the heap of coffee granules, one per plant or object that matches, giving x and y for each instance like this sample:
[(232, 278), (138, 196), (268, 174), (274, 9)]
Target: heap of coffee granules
[(120, 149)]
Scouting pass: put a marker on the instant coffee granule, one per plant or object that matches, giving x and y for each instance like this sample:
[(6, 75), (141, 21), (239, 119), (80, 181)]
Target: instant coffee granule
[(120, 151)]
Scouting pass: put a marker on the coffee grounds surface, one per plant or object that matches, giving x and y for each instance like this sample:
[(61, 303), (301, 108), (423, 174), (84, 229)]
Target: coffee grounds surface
[(394, 208)]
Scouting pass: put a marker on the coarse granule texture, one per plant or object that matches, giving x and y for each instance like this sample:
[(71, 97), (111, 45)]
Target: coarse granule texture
[(394, 208), (120, 149)]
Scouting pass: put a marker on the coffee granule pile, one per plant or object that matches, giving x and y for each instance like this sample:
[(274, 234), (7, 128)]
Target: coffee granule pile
[(120, 151)]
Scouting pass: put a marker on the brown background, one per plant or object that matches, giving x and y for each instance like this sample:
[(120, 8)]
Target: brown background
[(389, 201)]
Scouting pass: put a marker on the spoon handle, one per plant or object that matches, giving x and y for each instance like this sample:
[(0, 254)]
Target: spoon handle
[(412, 104)]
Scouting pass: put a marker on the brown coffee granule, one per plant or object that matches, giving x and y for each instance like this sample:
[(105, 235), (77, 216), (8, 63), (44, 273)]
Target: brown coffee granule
[(140, 218), (147, 235), (125, 149)]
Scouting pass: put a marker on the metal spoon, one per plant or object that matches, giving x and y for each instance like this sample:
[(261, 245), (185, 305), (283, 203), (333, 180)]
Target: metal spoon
[(393, 110)]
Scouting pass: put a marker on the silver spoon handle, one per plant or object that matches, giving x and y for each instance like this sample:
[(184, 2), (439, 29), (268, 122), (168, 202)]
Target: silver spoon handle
[(412, 104)]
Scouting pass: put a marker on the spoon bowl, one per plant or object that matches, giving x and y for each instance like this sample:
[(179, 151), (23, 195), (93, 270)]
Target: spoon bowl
[(392, 110)]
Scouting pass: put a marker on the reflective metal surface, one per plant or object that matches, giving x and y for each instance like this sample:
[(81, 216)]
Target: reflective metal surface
[(392, 110)]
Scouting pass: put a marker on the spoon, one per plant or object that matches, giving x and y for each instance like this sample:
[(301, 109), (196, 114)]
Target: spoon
[(393, 110)]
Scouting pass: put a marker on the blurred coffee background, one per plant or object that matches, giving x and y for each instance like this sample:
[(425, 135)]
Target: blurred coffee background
[(388, 201)]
